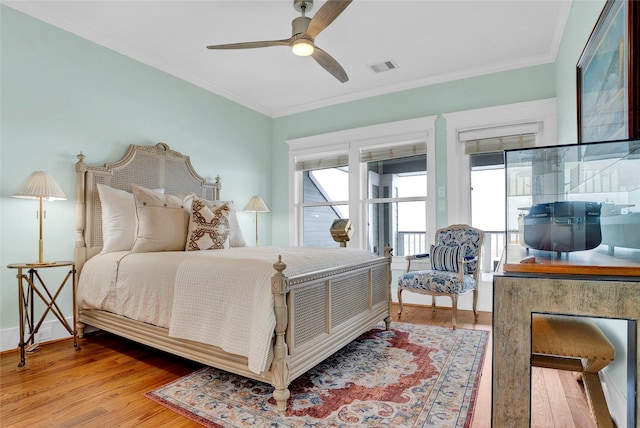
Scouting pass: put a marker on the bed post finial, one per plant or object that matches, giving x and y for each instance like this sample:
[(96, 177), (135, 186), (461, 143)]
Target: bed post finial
[(280, 365), (280, 266), (80, 157), (80, 250)]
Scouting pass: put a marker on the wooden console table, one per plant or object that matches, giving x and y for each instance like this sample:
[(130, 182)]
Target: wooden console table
[(516, 296)]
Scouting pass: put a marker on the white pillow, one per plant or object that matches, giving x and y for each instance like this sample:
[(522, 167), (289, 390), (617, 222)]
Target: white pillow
[(118, 219), (208, 230), (237, 238), (162, 221)]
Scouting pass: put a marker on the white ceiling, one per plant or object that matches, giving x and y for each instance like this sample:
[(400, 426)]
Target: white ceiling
[(430, 41)]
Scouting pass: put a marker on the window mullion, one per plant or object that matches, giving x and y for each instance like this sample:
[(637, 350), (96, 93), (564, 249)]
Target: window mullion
[(392, 200), (323, 204)]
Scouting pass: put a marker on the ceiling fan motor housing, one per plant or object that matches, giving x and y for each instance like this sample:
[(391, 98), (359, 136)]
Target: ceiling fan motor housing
[(299, 25)]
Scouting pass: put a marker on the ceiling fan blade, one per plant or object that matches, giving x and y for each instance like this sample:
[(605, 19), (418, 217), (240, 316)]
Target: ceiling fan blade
[(251, 45), (326, 15), (327, 62)]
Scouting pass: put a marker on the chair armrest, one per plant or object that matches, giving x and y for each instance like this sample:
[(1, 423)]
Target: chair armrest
[(417, 256), (466, 260)]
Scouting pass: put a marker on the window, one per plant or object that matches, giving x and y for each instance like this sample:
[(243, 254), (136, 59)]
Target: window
[(476, 139), (397, 200), (487, 177), (325, 199), (487, 189), (376, 176)]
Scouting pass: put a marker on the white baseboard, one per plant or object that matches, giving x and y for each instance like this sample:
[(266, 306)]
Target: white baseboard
[(49, 330), (616, 401)]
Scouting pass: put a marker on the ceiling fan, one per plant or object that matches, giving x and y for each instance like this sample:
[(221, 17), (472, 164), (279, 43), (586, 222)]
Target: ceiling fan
[(304, 32)]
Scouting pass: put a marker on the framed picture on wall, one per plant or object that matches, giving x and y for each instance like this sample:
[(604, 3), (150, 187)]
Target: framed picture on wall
[(608, 76)]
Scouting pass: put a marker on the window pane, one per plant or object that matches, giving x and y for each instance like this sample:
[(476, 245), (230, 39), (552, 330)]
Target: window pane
[(488, 191), (488, 206), (393, 178), (326, 185), (399, 224), (317, 224)]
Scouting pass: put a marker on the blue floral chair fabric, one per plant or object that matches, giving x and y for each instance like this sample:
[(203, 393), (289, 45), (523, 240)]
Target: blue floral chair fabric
[(454, 261)]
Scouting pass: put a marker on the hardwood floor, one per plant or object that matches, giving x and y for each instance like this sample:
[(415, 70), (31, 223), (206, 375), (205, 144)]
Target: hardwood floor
[(103, 385)]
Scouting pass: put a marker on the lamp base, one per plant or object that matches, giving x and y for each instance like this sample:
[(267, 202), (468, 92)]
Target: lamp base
[(41, 264)]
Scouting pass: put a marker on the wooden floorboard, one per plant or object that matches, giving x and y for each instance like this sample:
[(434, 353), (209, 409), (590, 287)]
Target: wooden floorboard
[(540, 402), (103, 384)]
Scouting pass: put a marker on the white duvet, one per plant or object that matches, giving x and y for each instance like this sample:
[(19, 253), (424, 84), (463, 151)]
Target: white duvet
[(220, 297)]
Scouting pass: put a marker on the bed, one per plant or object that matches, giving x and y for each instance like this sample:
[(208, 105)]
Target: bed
[(266, 313)]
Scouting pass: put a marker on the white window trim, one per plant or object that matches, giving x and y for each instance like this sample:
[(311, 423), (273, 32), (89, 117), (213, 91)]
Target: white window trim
[(539, 116), (351, 141)]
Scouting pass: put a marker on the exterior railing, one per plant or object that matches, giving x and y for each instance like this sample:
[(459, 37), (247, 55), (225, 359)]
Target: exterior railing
[(412, 242), (493, 250)]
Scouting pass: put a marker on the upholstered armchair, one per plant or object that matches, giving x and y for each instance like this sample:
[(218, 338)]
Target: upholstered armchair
[(454, 268)]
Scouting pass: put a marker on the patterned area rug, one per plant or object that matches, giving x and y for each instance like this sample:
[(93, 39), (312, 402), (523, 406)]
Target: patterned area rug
[(409, 376)]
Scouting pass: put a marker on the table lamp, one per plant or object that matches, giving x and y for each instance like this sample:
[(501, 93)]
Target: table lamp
[(256, 204), (40, 185)]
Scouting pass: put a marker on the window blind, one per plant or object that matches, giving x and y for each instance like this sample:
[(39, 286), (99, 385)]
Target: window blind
[(322, 163), (394, 152), (499, 144)]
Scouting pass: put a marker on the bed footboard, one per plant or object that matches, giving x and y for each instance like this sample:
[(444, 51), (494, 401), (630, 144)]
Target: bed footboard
[(319, 313)]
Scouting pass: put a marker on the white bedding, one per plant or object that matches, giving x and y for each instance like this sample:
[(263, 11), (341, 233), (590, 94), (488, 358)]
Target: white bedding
[(220, 297)]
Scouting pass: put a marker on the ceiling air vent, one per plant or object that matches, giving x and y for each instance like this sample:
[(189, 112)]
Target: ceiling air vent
[(383, 66)]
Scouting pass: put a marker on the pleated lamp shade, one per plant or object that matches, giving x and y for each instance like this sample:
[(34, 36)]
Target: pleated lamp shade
[(40, 185), (256, 204)]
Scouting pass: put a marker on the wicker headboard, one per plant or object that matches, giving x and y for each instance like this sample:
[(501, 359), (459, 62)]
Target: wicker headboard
[(152, 167)]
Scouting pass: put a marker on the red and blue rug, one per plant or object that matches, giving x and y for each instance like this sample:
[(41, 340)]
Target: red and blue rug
[(410, 376)]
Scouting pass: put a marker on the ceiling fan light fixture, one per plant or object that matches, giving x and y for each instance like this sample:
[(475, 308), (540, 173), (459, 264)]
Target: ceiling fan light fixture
[(302, 47)]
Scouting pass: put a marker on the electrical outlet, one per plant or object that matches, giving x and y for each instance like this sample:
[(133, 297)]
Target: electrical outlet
[(45, 333)]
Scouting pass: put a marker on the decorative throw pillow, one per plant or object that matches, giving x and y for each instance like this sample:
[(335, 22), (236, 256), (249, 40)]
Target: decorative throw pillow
[(208, 230), (236, 238), (162, 221), (118, 219), (445, 257)]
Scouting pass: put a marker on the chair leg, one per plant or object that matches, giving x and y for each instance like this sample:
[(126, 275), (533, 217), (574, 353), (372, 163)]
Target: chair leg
[(454, 310), (597, 402), (399, 304), (433, 305), (475, 304)]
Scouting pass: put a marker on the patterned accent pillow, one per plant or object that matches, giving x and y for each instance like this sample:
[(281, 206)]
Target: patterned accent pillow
[(236, 239), (208, 230), (446, 257)]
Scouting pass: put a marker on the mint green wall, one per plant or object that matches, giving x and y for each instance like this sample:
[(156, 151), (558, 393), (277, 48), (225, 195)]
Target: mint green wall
[(62, 94), (582, 19), (527, 84)]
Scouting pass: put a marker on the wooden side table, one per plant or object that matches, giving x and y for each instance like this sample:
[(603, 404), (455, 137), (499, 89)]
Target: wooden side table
[(31, 283)]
